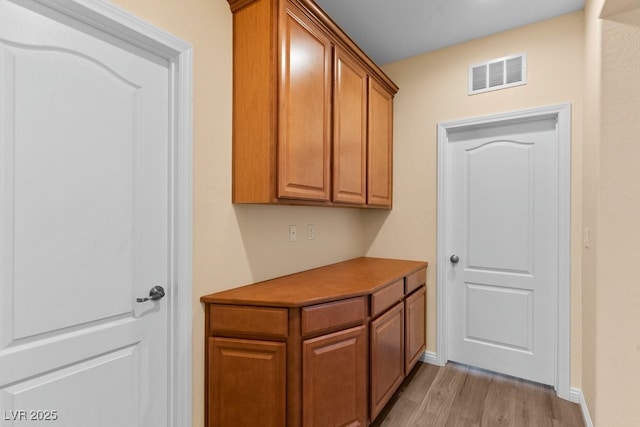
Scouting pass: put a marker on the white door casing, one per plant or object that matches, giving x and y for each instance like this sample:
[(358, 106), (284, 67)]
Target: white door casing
[(95, 203), (503, 206)]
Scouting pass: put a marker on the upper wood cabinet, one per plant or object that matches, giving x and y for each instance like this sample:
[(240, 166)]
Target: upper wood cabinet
[(304, 122), (307, 110), (380, 136), (350, 130)]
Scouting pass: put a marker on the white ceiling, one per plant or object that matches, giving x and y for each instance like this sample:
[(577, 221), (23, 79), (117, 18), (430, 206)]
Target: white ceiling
[(390, 30)]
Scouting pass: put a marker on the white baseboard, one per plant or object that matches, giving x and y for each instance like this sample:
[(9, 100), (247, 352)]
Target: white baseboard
[(577, 397), (430, 357)]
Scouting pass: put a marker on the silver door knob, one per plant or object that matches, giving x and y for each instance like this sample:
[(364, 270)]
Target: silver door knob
[(454, 259), (155, 294)]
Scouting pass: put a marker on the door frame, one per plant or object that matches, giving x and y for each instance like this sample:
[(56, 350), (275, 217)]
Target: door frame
[(562, 113), (127, 30)]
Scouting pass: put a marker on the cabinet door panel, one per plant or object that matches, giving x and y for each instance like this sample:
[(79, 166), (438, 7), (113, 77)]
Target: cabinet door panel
[(334, 371), (305, 109), (254, 90), (387, 357), (247, 380), (380, 137), (349, 130), (415, 341)]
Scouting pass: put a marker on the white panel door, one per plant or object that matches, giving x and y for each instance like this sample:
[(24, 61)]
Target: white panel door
[(503, 231), (84, 225)]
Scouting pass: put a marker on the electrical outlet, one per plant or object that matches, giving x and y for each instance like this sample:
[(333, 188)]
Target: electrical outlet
[(311, 231), (292, 233)]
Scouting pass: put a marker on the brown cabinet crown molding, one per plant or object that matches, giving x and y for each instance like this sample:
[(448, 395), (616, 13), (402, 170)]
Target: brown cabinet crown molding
[(236, 5), (348, 43), (329, 24)]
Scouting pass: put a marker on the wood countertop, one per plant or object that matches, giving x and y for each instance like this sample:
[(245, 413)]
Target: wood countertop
[(356, 277)]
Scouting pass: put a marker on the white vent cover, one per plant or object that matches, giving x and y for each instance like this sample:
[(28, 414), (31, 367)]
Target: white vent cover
[(498, 73)]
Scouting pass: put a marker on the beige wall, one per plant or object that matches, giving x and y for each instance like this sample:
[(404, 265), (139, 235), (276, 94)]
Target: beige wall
[(612, 206), (235, 245), (591, 173), (433, 88), (618, 279)]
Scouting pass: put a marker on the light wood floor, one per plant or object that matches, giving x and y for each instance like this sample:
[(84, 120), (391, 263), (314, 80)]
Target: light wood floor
[(460, 396)]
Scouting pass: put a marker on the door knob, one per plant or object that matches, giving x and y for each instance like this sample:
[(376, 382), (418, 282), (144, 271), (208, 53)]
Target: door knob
[(155, 294), (454, 259)]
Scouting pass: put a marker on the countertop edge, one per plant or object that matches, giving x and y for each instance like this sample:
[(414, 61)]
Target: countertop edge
[(227, 298)]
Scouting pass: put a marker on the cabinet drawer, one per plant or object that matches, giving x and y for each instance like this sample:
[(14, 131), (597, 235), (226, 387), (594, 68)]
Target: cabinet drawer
[(386, 297), (415, 280), (248, 321), (332, 316)]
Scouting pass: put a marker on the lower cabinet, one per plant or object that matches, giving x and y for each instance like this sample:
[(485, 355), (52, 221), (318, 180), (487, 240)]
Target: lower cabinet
[(334, 378), (318, 362), (387, 357), (247, 380)]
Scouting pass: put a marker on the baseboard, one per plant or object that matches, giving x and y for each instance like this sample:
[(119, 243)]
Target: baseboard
[(430, 357), (577, 397)]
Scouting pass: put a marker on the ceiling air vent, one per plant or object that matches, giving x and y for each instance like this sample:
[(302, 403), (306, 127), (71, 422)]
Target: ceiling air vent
[(498, 73)]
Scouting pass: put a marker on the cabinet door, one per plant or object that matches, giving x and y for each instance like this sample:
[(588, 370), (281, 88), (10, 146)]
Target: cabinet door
[(415, 337), (304, 120), (334, 376), (349, 130), (380, 139), (247, 380), (387, 357)]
